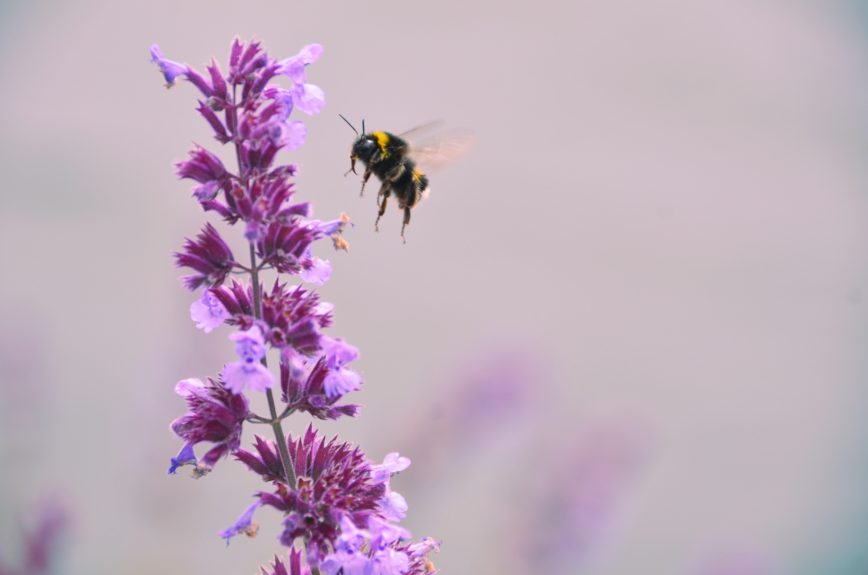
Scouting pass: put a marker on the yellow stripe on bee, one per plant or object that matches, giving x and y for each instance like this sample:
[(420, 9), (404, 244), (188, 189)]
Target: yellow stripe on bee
[(382, 142), (417, 175)]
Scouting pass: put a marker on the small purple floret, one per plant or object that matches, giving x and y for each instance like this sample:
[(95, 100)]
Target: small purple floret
[(244, 524), (169, 69), (208, 313), (249, 373)]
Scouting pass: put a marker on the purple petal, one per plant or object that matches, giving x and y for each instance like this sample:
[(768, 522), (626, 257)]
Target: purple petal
[(292, 134), (318, 271), (394, 506), (309, 98), (239, 376), (185, 457), (340, 382), (208, 313), (243, 524), (171, 70)]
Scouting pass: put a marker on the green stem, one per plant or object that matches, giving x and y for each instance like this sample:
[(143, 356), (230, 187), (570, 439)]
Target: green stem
[(272, 408)]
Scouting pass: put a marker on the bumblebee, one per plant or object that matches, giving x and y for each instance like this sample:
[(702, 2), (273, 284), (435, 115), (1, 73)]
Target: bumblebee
[(393, 160)]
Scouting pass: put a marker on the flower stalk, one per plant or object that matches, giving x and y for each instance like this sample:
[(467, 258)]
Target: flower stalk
[(337, 506)]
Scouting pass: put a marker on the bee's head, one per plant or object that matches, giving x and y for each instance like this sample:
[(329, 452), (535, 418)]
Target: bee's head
[(363, 148)]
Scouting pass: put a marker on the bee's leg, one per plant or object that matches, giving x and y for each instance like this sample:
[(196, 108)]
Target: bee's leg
[(406, 221), (365, 179), (385, 193)]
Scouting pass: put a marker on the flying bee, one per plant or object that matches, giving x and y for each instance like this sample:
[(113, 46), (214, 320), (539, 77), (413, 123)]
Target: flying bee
[(399, 164)]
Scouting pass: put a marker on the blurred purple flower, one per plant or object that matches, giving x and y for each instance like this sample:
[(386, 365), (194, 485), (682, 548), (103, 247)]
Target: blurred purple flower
[(41, 539), (579, 495)]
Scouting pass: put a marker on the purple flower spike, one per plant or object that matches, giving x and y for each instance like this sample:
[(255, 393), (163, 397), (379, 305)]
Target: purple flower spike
[(249, 373), (244, 524), (208, 312), (339, 514)]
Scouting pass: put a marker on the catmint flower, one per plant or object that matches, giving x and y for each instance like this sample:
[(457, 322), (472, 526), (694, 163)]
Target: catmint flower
[(207, 312), (334, 501), (244, 524), (339, 380), (202, 166), (209, 256), (393, 505), (308, 98), (215, 415), (304, 389), (392, 465), (185, 457), (172, 70), (314, 270), (249, 372), (333, 481), (294, 318)]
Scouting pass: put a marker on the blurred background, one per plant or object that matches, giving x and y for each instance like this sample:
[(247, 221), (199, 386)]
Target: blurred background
[(626, 335)]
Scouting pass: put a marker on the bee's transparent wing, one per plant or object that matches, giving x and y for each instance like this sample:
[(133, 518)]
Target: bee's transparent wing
[(434, 152), (421, 131)]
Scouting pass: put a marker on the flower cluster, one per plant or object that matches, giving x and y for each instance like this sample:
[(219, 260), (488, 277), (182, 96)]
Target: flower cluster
[(333, 500)]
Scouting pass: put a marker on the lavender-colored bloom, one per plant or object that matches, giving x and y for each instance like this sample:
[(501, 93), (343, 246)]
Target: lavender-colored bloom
[(339, 380), (303, 387), (215, 415), (308, 98), (393, 505), (333, 481), (392, 464), (202, 166), (244, 524), (185, 457), (207, 312), (209, 256), (314, 270), (249, 372), (294, 318), (171, 70), (294, 67)]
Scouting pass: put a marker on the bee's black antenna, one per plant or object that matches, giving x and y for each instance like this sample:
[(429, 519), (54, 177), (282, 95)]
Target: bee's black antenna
[(351, 126), (363, 126)]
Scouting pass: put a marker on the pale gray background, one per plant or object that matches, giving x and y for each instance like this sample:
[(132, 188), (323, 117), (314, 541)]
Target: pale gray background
[(664, 211)]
